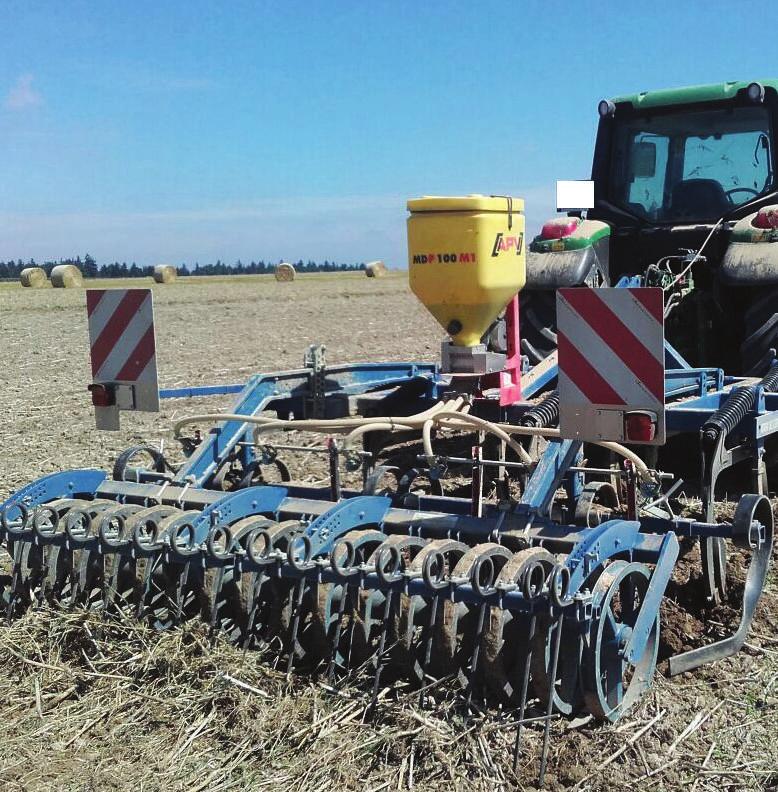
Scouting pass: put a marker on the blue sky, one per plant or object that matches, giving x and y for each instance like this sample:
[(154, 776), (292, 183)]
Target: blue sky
[(184, 131)]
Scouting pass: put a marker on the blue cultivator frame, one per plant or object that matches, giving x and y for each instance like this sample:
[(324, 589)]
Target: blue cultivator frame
[(553, 573)]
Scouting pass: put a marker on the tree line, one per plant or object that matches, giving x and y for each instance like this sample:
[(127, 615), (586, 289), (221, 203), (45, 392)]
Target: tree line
[(10, 270)]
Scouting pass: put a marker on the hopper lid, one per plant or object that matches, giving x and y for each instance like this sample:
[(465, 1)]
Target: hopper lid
[(466, 203)]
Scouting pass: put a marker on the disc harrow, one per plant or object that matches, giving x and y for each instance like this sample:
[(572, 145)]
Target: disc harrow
[(542, 597)]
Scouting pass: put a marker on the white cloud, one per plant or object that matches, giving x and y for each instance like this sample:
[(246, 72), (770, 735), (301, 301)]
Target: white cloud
[(22, 94)]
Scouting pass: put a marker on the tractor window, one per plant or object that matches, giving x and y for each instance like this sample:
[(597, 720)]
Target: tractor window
[(681, 166), (647, 185), (738, 162)]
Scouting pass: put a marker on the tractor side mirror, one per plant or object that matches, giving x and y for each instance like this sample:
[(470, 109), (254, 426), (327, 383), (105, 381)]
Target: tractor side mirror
[(643, 160)]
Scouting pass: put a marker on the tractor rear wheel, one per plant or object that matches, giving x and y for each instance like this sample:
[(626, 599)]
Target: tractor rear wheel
[(760, 338), (537, 318)]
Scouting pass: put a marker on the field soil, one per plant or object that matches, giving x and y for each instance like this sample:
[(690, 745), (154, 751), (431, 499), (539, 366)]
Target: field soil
[(93, 705)]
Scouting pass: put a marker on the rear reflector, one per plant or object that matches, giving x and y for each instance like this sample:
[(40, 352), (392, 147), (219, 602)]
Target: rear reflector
[(559, 227), (766, 217), (639, 426), (103, 395)]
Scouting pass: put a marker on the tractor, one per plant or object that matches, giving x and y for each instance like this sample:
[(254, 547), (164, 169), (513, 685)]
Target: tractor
[(685, 198)]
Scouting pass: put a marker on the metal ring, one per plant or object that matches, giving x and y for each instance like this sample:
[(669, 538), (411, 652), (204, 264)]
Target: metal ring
[(73, 517), (559, 593), (346, 567), (482, 584), (392, 573), (183, 540), (38, 529), (24, 513), (532, 580), (218, 533), (433, 571), (113, 538), (262, 558), (145, 540), (291, 555)]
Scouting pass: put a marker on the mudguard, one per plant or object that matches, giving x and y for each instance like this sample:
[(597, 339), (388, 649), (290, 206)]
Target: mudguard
[(570, 260), (751, 258)]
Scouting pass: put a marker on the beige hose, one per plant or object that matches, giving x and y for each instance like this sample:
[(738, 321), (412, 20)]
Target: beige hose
[(452, 418), (640, 466), (266, 423), (378, 424), (448, 414), (355, 434)]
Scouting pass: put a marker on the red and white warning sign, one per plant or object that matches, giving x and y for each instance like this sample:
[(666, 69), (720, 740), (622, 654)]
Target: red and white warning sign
[(611, 364), (123, 353)]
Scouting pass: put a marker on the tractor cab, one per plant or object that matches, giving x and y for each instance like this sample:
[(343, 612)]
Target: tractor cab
[(669, 165), (684, 186)]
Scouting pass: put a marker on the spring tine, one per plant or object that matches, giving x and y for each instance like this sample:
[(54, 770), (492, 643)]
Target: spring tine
[(183, 578), (299, 592), (524, 689), (260, 578), (427, 656), (16, 575), (40, 591), (83, 568), (479, 631), (379, 658), (145, 596), (550, 707), (112, 589), (338, 628), (357, 590), (216, 588)]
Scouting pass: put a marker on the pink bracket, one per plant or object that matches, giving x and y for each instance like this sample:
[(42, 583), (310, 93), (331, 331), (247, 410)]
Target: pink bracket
[(510, 376)]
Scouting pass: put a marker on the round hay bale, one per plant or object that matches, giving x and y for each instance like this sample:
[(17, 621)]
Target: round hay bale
[(66, 276), (165, 273), (375, 269), (33, 278), (285, 272)]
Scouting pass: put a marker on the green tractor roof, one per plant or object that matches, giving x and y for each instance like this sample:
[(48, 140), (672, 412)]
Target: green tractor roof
[(690, 94)]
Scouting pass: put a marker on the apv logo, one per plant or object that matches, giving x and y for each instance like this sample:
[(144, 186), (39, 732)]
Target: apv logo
[(504, 243)]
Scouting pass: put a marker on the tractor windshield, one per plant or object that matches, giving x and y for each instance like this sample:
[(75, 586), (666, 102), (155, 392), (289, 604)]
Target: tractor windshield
[(678, 166)]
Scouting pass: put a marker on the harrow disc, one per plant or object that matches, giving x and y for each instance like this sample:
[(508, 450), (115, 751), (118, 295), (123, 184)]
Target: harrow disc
[(456, 636), (565, 690), (508, 638), (333, 619), (377, 617), (420, 614), (226, 600), (268, 600)]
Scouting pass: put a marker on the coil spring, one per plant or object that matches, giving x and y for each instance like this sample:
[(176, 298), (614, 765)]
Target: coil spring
[(770, 380), (544, 414), (729, 415)]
